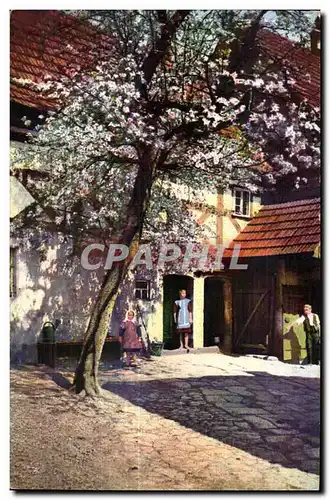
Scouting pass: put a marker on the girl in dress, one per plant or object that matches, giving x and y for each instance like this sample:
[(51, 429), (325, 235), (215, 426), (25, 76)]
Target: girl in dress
[(130, 338)]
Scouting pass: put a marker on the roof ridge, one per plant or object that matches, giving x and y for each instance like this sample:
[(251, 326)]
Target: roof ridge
[(286, 204)]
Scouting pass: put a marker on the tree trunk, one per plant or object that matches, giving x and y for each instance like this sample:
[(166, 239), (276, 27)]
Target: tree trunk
[(87, 368)]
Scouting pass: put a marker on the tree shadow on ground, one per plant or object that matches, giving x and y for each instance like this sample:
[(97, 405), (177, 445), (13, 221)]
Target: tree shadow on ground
[(36, 372), (41, 384), (35, 380), (272, 417)]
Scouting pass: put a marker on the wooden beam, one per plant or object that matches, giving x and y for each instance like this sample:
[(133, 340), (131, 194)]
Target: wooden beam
[(278, 317), (235, 223), (228, 316), (198, 313), (220, 209), (270, 343)]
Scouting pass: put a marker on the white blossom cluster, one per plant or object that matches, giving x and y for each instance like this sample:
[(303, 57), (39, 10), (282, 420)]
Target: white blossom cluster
[(93, 144)]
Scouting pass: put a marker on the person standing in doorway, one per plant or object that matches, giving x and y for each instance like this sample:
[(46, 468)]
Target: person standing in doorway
[(312, 328), (183, 318)]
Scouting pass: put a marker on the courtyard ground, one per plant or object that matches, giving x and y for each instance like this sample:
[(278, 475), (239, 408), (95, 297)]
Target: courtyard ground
[(180, 422)]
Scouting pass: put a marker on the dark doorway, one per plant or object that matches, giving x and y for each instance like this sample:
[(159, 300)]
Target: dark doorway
[(172, 284), (213, 311)]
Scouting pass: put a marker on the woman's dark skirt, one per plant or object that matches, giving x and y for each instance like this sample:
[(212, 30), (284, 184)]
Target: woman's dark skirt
[(183, 330)]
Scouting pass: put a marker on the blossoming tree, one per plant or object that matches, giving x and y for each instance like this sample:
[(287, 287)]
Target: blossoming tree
[(183, 98)]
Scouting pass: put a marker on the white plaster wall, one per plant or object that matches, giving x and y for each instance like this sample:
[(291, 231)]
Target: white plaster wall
[(229, 231), (50, 286), (58, 287), (227, 200)]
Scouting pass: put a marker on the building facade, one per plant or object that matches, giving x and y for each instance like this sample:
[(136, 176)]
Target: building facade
[(242, 310)]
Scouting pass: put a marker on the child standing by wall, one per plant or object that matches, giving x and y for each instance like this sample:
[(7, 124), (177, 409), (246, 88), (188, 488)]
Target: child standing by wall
[(130, 338)]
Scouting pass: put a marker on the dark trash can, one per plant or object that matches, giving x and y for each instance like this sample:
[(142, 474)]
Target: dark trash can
[(47, 344), (48, 332)]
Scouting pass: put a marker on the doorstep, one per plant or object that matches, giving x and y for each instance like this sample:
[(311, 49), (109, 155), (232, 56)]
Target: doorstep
[(200, 350)]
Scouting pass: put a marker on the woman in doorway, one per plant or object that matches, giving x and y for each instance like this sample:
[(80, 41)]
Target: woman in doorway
[(183, 318)]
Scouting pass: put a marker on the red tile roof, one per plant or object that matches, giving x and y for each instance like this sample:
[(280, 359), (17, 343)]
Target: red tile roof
[(40, 43), (47, 42), (302, 62), (286, 228)]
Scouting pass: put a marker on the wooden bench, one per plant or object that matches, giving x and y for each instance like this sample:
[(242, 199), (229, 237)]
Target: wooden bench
[(49, 353)]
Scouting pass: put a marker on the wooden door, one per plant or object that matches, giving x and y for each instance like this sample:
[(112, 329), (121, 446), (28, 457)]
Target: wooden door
[(252, 319)]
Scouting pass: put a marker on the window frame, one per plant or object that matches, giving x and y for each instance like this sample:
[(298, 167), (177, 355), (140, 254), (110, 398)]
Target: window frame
[(138, 289), (242, 191)]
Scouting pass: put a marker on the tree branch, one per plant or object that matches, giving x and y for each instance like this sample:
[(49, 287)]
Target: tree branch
[(245, 52), (155, 56)]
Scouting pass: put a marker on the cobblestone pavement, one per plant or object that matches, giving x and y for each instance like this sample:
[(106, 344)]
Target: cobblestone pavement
[(185, 422), (266, 408)]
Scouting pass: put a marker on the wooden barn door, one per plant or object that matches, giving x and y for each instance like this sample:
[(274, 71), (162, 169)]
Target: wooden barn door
[(253, 307), (253, 319)]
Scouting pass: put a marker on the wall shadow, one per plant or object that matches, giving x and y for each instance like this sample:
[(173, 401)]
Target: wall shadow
[(295, 347), (294, 344), (276, 418), (52, 285)]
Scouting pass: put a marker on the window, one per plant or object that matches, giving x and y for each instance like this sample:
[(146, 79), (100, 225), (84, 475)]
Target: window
[(142, 289), (242, 202), (13, 255)]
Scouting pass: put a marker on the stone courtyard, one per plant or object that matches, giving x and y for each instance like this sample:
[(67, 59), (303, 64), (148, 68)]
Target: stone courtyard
[(182, 422)]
